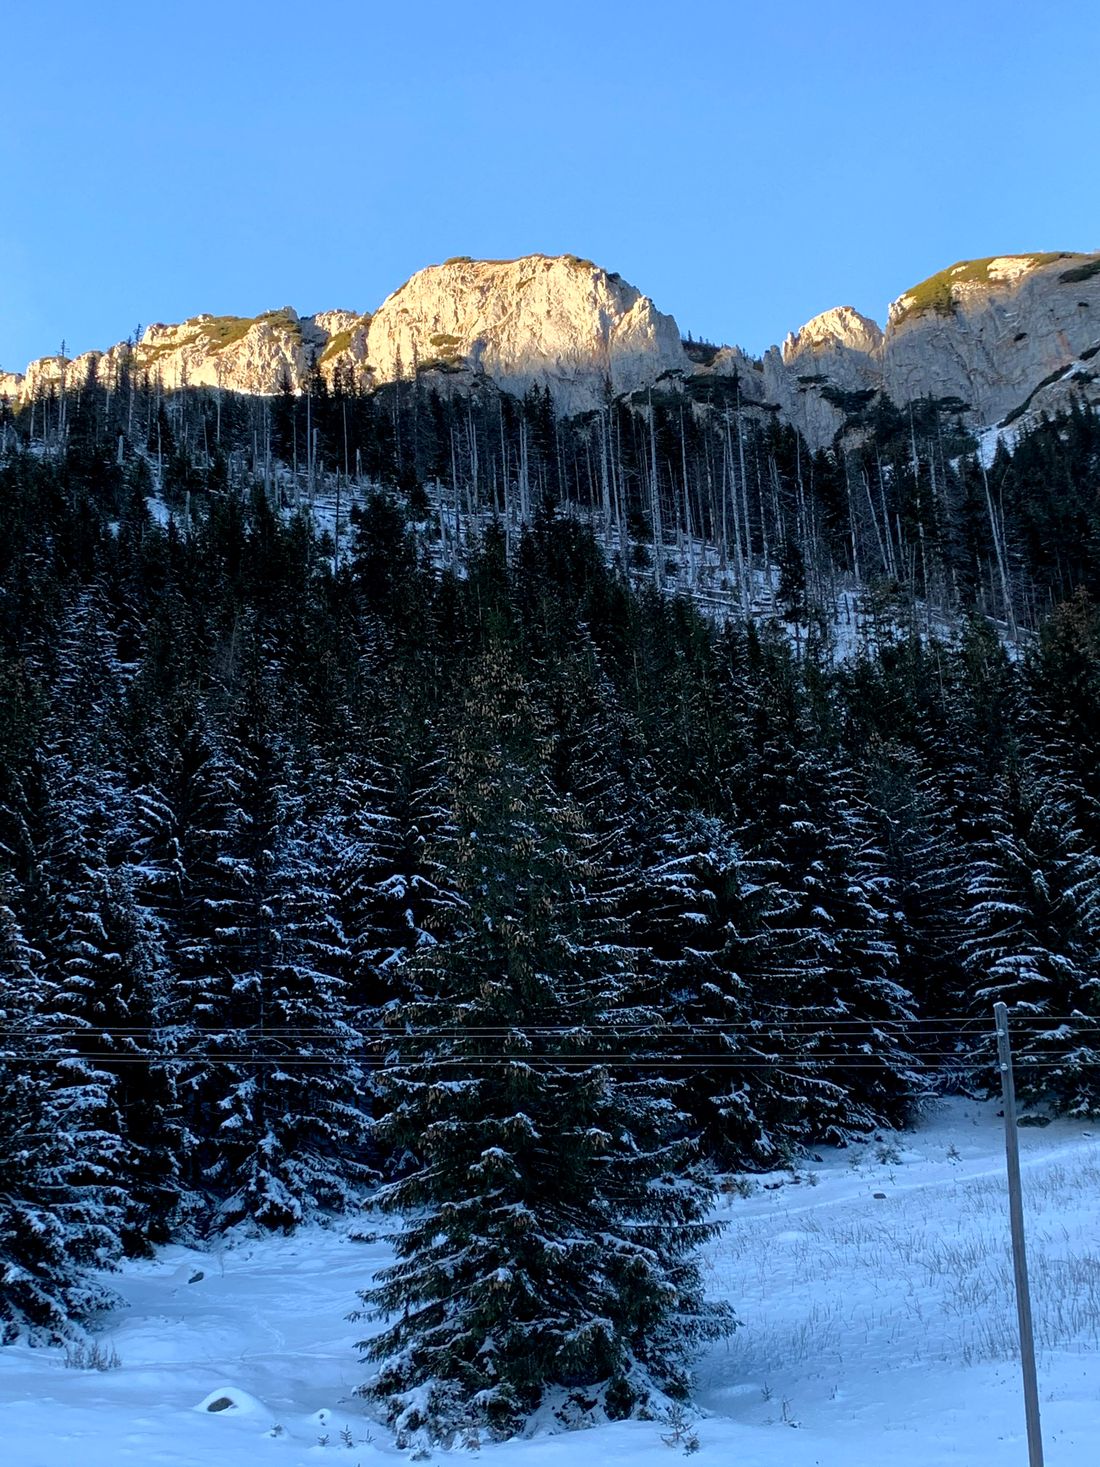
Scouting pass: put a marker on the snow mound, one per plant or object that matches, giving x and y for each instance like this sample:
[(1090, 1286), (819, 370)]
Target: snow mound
[(231, 1401)]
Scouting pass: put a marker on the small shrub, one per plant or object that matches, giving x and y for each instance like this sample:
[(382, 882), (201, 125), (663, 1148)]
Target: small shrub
[(91, 1355), (1086, 271), (681, 1433)]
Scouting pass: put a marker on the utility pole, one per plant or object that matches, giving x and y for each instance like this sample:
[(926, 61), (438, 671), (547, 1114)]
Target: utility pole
[(1019, 1253)]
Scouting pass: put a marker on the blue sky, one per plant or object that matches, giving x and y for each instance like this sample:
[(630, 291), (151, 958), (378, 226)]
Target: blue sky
[(745, 164)]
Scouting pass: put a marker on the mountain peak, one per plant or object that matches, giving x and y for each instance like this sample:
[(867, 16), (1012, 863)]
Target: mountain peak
[(556, 321), (841, 327)]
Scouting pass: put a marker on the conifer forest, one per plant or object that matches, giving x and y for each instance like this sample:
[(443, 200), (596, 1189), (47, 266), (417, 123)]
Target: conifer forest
[(419, 803)]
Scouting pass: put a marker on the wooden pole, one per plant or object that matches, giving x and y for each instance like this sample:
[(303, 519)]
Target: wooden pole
[(1019, 1252)]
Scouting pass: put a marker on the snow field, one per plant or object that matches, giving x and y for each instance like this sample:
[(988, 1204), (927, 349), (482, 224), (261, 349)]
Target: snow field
[(876, 1328), (895, 1314)]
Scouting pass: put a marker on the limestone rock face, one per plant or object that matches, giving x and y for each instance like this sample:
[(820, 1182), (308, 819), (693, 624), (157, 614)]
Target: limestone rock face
[(990, 331), (1080, 382), (805, 397), (1009, 336), (840, 343), (339, 340), (245, 355), (557, 322), (826, 368), (560, 322), (51, 372), (821, 372), (239, 353), (731, 361)]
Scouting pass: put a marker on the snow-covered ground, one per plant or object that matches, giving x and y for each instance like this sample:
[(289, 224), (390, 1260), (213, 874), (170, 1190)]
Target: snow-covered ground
[(877, 1329)]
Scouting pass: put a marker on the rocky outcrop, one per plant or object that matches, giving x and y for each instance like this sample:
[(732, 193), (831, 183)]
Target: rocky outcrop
[(556, 322), (339, 341), (988, 332), (257, 354), (839, 343), (1006, 337), (250, 354), (822, 373)]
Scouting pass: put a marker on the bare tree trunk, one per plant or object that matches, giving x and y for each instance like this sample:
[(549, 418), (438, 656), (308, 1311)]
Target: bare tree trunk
[(688, 519), (473, 497), (874, 521), (857, 573), (605, 479), (656, 521), (744, 486), (997, 532), (730, 495)]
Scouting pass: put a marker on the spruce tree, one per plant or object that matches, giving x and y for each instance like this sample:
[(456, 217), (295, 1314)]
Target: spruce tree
[(272, 1088), (61, 1206), (113, 991), (1032, 936), (833, 989), (550, 1219)]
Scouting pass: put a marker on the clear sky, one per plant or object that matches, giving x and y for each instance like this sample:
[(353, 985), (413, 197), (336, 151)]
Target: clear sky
[(745, 164)]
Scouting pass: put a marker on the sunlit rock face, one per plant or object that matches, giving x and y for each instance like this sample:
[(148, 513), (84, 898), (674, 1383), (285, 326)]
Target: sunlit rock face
[(821, 372), (555, 322), (260, 354), (226, 351), (839, 343), (988, 332), (1011, 336), (337, 341), (825, 370), (11, 385)]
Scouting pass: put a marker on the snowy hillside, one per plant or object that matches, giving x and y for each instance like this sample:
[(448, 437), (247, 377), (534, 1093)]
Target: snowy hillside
[(874, 1287)]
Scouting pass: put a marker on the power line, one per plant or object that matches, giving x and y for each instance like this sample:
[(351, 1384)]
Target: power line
[(541, 1064), (925, 1028)]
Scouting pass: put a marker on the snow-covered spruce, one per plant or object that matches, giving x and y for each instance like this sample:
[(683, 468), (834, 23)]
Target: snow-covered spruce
[(551, 1214), (1032, 932), (270, 1076), (61, 1211)]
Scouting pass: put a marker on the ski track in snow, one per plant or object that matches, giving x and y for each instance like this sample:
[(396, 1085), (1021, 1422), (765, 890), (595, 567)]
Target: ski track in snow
[(875, 1329)]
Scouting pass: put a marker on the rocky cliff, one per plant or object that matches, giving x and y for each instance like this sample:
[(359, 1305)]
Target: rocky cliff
[(558, 322), (1005, 337), (989, 332), (256, 354)]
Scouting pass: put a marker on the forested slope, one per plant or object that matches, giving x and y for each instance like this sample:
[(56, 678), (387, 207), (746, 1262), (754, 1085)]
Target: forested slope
[(463, 849)]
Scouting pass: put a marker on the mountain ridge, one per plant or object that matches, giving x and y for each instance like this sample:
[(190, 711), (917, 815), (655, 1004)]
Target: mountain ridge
[(1003, 336)]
